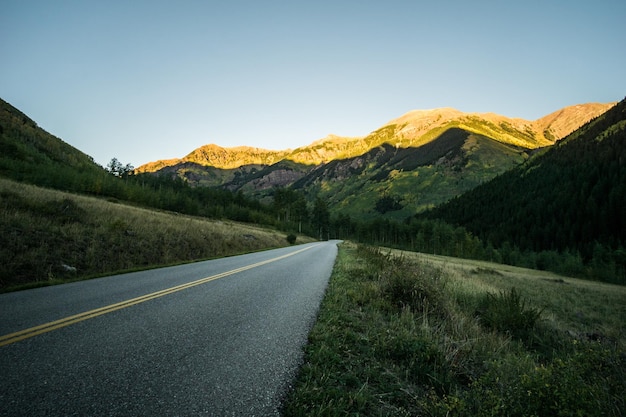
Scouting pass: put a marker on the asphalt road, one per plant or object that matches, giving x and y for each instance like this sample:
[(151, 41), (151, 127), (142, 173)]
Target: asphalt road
[(225, 341)]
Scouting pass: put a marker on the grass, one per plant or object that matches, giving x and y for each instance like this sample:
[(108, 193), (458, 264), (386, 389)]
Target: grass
[(402, 334), (570, 305), (49, 237)]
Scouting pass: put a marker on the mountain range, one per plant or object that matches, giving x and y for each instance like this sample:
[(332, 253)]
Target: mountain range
[(414, 162), (470, 185)]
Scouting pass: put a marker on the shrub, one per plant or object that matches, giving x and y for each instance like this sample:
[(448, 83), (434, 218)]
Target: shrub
[(508, 312), (416, 286)]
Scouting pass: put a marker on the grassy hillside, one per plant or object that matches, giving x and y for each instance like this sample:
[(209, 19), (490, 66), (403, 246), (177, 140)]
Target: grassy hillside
[(28, 153), (418, 335), (48, 236)]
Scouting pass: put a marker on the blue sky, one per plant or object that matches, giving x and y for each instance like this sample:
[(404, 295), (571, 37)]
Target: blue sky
[(147, 80)]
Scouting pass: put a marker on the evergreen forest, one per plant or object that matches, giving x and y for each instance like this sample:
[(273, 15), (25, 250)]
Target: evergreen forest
[(564, 208)]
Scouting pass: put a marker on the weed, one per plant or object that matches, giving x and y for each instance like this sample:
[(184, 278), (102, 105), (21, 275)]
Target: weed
[(406, 285), (398, 336), (508, 312), (589, 382)]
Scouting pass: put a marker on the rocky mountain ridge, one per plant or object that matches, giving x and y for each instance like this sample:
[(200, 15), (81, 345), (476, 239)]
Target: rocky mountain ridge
[(419, 160), (412, 129)]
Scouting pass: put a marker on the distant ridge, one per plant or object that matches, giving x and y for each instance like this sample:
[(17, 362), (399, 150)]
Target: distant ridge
[(414, 128), (419, 160)]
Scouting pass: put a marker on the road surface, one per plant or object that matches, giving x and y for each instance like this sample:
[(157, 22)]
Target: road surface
[(215, 338)]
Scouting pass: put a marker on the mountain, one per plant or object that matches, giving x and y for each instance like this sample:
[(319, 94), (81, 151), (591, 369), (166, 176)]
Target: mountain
[(415, 178), (418, 160), (571, 197)]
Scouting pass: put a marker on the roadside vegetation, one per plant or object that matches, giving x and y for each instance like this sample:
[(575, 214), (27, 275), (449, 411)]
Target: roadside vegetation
[(49, 236), (406, 334)]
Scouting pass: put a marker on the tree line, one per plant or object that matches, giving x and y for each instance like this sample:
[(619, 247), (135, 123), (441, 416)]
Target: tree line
[(564, 210)]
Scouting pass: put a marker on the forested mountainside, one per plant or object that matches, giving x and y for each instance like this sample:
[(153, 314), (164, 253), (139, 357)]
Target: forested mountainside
[(571, 197), (398, 182), (414, 162)]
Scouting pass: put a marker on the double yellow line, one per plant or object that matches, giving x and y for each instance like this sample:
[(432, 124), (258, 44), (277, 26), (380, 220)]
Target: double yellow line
[(57, 324)]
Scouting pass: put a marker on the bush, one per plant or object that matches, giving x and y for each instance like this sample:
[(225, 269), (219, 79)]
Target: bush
[(403, 283), (291, 238), (508, 312)]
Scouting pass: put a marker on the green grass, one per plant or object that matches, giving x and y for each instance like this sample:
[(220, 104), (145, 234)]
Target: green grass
[(409, 334), (569, 305), (49, 237)]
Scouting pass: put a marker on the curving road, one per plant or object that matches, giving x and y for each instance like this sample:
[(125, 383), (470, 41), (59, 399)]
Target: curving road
[(215, 338)]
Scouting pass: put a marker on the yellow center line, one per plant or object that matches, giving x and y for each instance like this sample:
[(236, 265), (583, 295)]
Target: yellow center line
[(57, 324)]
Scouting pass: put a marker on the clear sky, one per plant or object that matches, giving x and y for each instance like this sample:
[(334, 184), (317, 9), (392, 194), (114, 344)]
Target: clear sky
[(146, 80)]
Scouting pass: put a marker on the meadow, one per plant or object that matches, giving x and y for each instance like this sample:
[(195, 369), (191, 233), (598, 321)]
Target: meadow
[(406, 334), (49, 237)]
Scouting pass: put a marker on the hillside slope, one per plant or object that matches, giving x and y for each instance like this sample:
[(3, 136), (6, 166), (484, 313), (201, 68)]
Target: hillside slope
[(27, 151), (413, 178), (572, 197), (29, 154), (47, 236)]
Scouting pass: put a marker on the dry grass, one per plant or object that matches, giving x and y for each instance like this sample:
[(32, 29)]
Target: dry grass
[(570, 305), (45, 234)]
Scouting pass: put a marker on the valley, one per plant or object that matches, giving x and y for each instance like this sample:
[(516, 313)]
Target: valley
[(421, 182), (427, 311)]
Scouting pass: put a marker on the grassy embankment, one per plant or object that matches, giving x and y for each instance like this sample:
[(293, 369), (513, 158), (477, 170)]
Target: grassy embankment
[(49, 237), (418, 335)]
